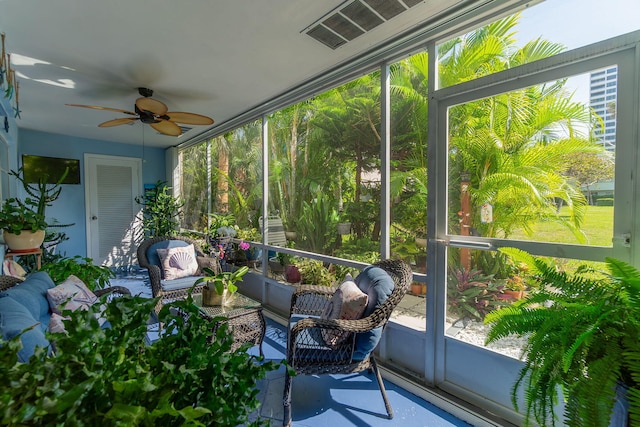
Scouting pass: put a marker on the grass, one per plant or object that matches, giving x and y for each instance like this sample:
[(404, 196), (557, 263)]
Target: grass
[(598, 227)]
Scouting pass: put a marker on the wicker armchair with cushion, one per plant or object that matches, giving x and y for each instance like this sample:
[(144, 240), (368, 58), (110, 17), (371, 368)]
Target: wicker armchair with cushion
[(320, 341), (174, 263)]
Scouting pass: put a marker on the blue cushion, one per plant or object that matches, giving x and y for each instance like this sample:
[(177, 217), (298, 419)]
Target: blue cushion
[(14, 317), (32, 294), (152, 251), (378, 285)]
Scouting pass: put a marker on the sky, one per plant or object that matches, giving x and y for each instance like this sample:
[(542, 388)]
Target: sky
[(577, 23)]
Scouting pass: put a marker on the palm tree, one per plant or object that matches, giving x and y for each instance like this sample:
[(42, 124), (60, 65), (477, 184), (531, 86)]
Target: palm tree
[(513, 145)]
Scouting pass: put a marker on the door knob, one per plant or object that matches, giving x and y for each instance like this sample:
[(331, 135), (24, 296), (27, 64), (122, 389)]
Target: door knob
[(94, 217)]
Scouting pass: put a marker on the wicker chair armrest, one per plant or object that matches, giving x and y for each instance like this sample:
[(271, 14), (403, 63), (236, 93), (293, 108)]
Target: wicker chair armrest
[(309, 299), (359, 325), (116, 290), (7, 282), (154, 279)]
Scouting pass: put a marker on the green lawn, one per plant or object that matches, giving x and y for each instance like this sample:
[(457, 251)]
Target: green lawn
[(598, 227)]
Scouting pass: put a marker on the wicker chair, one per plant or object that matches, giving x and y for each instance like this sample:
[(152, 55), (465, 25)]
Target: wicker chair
[(155, 275), (306, 356)]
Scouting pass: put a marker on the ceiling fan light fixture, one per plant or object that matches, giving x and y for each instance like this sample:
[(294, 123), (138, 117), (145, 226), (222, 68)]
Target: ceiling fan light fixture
[(154, 113)]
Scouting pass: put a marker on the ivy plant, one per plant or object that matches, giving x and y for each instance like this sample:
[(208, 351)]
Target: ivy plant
[(94, 276), (110, 376)]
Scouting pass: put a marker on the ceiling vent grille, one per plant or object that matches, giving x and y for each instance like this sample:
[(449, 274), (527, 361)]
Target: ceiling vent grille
[(184, 129), (356, 18)]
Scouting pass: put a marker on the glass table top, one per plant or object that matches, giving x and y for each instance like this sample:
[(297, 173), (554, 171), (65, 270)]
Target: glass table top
[(237, 302)]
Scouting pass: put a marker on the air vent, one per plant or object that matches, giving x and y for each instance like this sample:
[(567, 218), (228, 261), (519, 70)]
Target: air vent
[(184, 129), (355, 19)]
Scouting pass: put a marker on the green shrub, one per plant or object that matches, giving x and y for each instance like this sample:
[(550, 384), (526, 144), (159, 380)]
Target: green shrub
[(604, 201), (110, 377)]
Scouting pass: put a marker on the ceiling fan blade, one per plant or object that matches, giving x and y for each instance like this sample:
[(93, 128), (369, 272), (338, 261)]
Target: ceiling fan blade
[(117, 122), (152, 105), (167, 128), (189, 118), (97, 107)]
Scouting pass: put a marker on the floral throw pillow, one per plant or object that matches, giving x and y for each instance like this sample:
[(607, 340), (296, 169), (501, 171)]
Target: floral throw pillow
[(72, 294), (178, 262), (348, 303)]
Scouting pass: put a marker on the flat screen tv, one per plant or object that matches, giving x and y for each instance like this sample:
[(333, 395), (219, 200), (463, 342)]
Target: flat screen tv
[(35, 168)]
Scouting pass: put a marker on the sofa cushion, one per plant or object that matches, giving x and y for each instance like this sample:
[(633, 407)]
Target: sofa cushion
[(181, 283), (378, 285), (178, 262), (152, 251), (32, 294), (14, 318)]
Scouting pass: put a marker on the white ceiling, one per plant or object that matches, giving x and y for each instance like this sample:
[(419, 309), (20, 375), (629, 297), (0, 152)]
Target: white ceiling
[(217, 58)]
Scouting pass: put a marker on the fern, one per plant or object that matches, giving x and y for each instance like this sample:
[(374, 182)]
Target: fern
[(582, 334)]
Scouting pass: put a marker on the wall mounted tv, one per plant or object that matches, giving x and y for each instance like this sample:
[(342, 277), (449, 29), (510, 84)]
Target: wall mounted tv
[(35, 168)]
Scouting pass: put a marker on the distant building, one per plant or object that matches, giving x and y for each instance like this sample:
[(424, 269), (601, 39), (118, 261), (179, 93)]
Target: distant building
[(603, 100), (600, 190)]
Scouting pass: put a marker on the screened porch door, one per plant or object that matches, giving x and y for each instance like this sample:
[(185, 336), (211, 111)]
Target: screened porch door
[(112, 214), (466, 239)]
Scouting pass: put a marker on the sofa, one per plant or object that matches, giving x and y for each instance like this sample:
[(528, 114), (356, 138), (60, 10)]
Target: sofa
[(26, 304)]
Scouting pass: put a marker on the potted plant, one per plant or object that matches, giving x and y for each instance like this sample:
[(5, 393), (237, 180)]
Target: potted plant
[(219, 288), (582, 334), (24, 228), (514, 287), (160, 211), (247, 235)]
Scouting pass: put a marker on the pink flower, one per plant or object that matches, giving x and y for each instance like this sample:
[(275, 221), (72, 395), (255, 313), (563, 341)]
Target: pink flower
[(244, 245), (221, 251)]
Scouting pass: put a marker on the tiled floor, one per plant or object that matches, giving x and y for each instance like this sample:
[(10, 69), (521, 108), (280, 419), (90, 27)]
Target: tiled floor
[(330, 400)]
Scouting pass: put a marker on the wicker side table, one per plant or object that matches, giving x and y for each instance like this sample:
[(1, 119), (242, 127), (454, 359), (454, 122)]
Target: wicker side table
[(244, 317)]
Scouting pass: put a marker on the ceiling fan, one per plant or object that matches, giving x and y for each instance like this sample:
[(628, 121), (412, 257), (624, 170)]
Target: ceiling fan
[(154, 113)]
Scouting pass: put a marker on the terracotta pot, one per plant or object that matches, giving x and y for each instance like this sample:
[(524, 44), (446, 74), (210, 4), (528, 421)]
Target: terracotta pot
[(25, 241), (514, 294), (416, 288)]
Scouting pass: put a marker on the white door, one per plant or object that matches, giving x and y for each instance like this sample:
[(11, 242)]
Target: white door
[(112, 214)]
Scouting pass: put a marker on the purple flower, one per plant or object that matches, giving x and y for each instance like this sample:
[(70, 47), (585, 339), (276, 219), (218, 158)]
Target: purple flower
[(244, 245)]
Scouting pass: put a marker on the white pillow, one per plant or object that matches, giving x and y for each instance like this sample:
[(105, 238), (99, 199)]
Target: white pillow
[(348, 303), (178, 262)]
